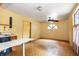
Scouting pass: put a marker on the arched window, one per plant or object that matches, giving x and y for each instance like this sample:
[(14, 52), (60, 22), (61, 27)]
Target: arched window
[(76, 17), (52, 26)]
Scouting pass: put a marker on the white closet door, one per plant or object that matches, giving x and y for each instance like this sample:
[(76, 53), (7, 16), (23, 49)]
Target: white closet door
[(74, 38), (77, 39), (74, 34)]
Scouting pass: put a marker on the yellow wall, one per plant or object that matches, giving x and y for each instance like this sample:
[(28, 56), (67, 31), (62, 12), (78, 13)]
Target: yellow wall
[(18, 23), (60, 34), (35, 30)]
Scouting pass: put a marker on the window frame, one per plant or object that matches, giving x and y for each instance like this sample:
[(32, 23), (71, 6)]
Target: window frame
[(75, 24)]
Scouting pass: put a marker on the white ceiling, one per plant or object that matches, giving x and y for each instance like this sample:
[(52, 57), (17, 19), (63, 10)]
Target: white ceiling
[(57, 11)]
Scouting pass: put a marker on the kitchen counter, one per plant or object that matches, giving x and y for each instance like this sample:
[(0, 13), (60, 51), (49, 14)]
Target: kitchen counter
[(12, 43)]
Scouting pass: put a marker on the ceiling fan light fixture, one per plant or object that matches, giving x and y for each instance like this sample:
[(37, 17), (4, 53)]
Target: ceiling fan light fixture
[(52, 20)]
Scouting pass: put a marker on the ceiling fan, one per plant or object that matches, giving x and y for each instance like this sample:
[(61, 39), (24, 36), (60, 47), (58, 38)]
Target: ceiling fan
[(52, 20)]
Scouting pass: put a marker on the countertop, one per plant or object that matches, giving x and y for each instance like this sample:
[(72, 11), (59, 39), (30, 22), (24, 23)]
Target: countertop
[(6, 35), (12, 43)]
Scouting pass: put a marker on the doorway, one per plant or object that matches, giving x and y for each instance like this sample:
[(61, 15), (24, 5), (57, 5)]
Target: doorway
[(26, 29)]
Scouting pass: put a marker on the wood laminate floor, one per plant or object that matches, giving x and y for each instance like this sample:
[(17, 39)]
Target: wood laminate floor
[(44, 47), (17, 52)]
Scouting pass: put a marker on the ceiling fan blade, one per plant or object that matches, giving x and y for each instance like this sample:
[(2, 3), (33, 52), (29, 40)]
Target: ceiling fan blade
[(55, 20)]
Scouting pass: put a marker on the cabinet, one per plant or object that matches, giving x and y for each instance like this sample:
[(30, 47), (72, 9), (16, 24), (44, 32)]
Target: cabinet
[(2, 40)]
